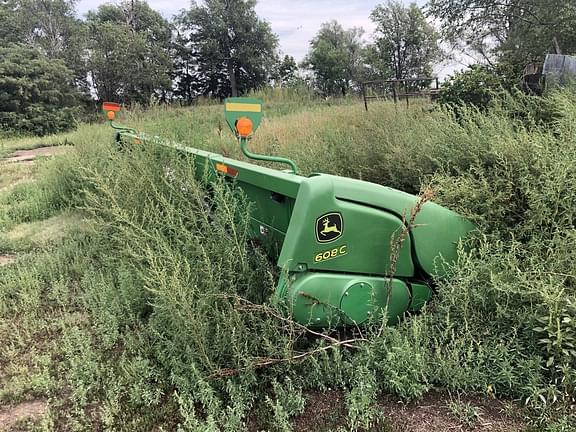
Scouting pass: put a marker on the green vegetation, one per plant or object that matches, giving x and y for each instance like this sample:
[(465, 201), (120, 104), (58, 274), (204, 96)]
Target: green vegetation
[(464, 411), (37, 95), (137, 302), (151, 310), (512, 32), (139, 39), (335, 57), (479, 86), (233, 51), (131, 54), (406, 44)]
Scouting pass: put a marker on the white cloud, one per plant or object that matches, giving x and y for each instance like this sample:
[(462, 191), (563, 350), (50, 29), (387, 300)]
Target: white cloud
[(297, 21)]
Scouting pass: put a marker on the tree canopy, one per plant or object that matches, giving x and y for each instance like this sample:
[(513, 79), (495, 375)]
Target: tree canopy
[(233, 49), (404, 41), (286, 71), (518, 31), (37, 94), (129, 52), (335, 58), (50, 26)]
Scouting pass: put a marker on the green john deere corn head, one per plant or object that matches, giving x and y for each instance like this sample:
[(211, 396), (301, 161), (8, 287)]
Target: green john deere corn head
[(345, 247)]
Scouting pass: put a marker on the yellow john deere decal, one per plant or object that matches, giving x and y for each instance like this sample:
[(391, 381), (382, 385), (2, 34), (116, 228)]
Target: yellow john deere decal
[(243, 107), (331, 254), (329, 227)]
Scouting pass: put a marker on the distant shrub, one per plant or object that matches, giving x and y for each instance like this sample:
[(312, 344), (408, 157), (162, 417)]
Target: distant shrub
[(478, 86), (36, 93)]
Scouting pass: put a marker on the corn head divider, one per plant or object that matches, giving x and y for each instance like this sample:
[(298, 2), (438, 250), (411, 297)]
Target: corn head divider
[(336, 239)]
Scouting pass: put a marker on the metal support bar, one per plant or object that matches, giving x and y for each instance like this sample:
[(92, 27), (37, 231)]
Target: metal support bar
[(249, 154), (123, 128)]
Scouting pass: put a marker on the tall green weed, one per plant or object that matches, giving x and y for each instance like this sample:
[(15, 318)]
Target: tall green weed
[(160, 312)]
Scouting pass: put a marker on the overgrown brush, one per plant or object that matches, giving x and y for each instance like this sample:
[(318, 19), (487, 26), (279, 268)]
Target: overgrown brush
[(163, 313)]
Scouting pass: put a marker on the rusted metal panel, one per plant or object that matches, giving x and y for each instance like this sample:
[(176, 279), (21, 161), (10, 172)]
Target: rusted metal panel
[(559, 69)]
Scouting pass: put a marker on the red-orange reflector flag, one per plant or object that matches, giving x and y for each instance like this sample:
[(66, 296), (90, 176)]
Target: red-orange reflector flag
[(225, 169), (111, 106)]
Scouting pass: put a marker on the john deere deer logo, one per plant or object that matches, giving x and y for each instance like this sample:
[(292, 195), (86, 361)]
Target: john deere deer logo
[(329, 227)]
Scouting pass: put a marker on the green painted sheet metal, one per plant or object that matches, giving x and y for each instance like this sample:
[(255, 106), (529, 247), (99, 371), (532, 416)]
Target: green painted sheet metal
[(333, 299), (272, 193), (365, 236), (436, 236), (334, 237), (421, 293), (266, 178), (237, 107), (437, 230)]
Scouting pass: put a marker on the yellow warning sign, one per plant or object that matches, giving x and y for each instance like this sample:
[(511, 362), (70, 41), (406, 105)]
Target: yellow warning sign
[(243, 107)]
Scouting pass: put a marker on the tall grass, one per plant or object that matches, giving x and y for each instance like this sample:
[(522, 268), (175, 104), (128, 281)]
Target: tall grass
[(158, 316)]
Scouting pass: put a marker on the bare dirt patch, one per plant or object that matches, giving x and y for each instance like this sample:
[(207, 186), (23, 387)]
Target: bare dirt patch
[(30, 155), (7, 259), (433, 414), (325, 411), (11, 415)]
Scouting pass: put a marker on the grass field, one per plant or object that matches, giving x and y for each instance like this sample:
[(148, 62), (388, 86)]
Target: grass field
[(122, 311)]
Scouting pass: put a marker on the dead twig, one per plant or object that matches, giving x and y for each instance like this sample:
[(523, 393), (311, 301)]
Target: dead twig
[(247, 305), (263, 362), (396, 242)]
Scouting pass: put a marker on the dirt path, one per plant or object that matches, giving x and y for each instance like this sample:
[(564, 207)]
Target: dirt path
[(436, 412), (31, 155), (7, 259), (10, 416)]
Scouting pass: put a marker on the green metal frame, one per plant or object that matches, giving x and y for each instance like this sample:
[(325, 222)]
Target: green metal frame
[(332, 237), (249, 154), (235, 109)]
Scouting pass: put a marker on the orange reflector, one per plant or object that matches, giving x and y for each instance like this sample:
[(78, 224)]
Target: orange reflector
[(244, 127), (111, 106), (225, 169), (110, 115)]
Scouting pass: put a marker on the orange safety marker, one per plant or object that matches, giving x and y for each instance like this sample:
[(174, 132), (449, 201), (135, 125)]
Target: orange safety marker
[(225, 169), (111, 109), (244, 127)]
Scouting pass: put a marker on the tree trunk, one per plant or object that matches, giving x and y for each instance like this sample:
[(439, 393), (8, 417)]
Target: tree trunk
[(232, 77)]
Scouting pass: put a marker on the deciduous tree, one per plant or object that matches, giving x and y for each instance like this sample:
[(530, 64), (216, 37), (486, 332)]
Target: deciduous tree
[(335, 58), (286, 70), (235, 49), (517, 31), (49, 25), (129, 52), (405, 42), (37, 94)]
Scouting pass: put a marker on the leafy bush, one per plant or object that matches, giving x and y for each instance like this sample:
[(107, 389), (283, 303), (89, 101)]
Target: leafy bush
[(478, 86), (36, 93)]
